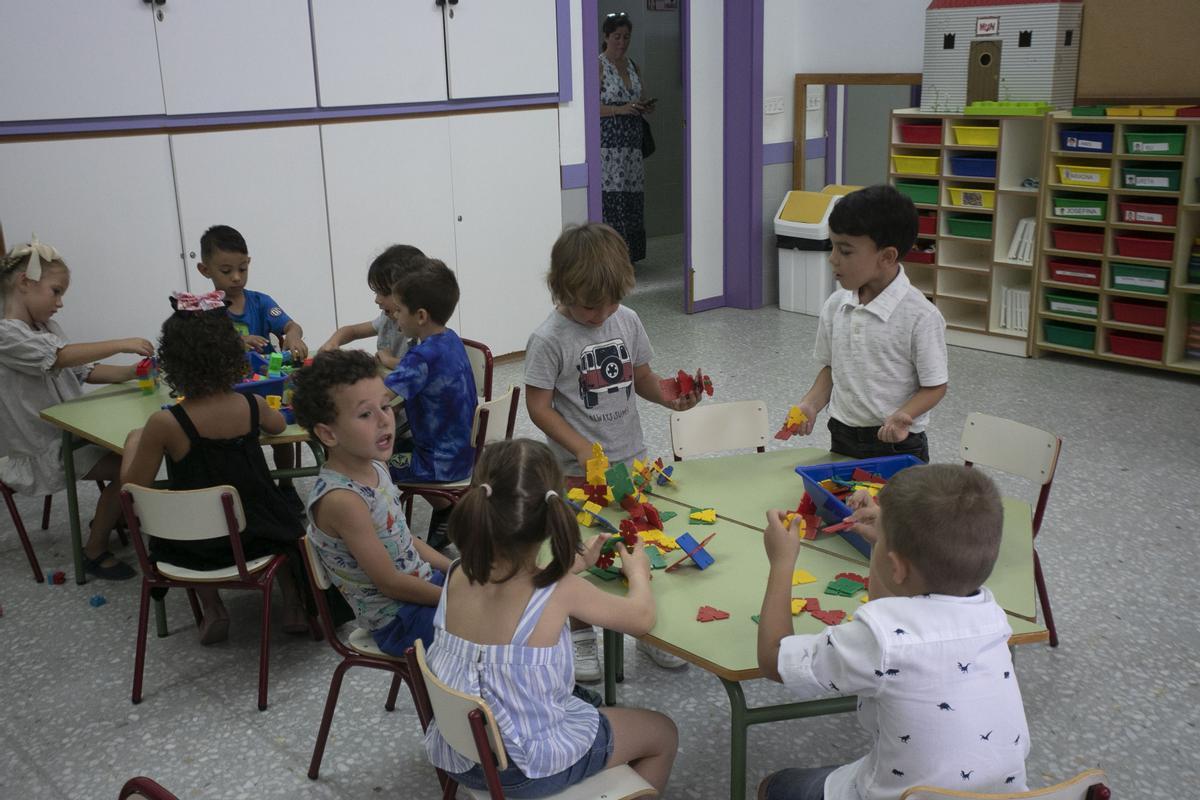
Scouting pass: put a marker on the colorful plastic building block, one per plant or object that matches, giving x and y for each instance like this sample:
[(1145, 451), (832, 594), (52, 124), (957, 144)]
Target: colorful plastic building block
[(684, 383), (843, 587), (656, 557), (617, 477), (664, 476), (588, 514), (605, 573), (791, 425), (97, 600), (275, 401), (802, 576), (660, 540), (146, 373), (710, 614), (693, 550), (597, 465), (275, 365), (704, 516), (798, 605), (56, 578), (829, 617)]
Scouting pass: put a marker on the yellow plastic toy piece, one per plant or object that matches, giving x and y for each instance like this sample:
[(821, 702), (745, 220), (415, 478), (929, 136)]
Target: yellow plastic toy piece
[(659, 540), (587, 517), (577, 494), (275, 401), (796, 417), (802, 576), (597, 465), (863, 598), (798, 604), (707, 516)]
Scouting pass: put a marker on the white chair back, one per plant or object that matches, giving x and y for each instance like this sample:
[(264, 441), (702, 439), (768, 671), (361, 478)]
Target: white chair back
[(500, 410), (450, 709), (1073, 789), (185, 515), (1011, 447), (315, 568), (480, 357), (716, 427)]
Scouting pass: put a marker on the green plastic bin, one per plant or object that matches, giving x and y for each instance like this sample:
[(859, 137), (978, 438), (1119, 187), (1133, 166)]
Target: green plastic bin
[(1081, 207), (1073, 304), (1163, 179), (1087, 111), (1194, 308), (1155, 143), (1068, 335), (974, 227), (926, 193), (1139, 278)]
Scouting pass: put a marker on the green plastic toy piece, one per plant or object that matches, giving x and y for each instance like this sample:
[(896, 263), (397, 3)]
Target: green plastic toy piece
[(619, 481), (999, 108), (275, 364), (605, 574), (755, 618), (843, 587), (657, 561)]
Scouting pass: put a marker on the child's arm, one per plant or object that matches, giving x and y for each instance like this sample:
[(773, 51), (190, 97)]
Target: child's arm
[(782, 544), (433, 557), (633, 614), (538, 402), (648, 384), (343, 514), (347, 334), (293, 340), (74, 355), (386, 359), (816, 399), (111, 373), (269, 420), (144, 450), (929, 363), (895, 427)]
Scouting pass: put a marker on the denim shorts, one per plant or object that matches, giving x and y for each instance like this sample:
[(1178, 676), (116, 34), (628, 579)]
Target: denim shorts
[(516, 785), (797, 784), (412, 622)]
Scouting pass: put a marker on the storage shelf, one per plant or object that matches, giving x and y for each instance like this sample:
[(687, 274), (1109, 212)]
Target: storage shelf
[(969, 209), (1142, 362), (1185, 365), (1148, 157), (1016, 264), (920, 175), (1067, 318), (966, 179), (927, 206), (1130, 326), (963, 326), (915, 146), (1081, 154), (976, 147), (1149, 262), (1146, 192), (1072, 286), (1138, 226), (966, 298), (985, 269), (1062, 348), (1073, 221), (1066, 187), (1054, 251), (1135, 295), (952, 237), (1018, 191), (1008, 333)]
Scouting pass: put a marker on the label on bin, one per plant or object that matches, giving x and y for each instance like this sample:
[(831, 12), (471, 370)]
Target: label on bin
[(1151, 147), (1084, 144), (1081, 177), (1087, 211), (1070, 273), (972, 199), (1145, 283), (1151, 181), (1143, 216), (1072, 308)]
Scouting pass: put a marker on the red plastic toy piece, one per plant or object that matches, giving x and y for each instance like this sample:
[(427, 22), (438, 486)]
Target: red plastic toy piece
[(837, 528), (807, 506), (652, 517), (834, 617), (710, 614), (812, 604), (684, 383)]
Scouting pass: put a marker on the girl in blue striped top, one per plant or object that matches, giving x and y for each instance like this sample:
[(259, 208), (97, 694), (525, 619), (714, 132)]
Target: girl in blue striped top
[(500, 632)]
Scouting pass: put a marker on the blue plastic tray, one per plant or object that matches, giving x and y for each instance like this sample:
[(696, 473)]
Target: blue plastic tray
[(971, 167), (829, 508), (262, 388)]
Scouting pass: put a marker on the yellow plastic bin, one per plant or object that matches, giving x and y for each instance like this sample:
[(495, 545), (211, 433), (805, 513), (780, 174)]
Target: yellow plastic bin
[(1085, 175), (915, 165), (978, 136), (1123, 111), (972, 198)]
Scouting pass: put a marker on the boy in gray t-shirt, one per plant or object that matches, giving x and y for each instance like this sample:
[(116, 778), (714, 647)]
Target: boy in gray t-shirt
[(583, 366)]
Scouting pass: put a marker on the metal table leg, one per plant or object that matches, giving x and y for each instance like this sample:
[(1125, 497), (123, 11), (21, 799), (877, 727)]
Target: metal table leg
[(612, 653), (68, 457)]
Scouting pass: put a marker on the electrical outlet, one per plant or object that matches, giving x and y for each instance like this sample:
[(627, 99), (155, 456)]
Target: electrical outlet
[(813, 102), (773, 105)]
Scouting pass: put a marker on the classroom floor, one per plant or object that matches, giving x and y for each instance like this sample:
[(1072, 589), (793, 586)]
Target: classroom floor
[(1119, 548)]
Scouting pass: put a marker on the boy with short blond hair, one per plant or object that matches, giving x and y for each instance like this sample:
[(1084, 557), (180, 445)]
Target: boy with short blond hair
[(927, 656)]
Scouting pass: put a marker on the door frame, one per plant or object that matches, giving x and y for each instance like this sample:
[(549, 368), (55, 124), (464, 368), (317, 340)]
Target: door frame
[(978, 45)]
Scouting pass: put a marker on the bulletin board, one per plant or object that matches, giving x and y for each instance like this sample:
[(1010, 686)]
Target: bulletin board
[(1139, 50)]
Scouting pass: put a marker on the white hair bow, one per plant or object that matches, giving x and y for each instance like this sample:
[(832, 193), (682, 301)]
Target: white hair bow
[(37, 252)]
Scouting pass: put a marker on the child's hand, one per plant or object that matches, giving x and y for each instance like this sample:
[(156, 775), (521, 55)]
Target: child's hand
[(860, 499), (330, 345), (810, 418), (296, 345), (782, 542), (137, 346), (866, 519), (591, 549), (689, 400), (895, 428), (253, 342), (634, 562)]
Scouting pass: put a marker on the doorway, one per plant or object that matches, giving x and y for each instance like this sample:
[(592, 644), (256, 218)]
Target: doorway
[(983, 73)]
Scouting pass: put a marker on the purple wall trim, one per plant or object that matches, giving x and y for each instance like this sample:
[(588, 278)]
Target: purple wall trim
[(574, 176), (591, 107), (708, 304), (831, 134), (685, 46), (743, 157), (781, 152), (562, 10)]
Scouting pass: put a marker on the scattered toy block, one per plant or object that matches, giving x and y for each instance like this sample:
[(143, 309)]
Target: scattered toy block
[(683, 383), (812, 604), (275, 401), (798, 605), (710, 614), (656, 557), (617, 477), (577, 495), (97, 600), (597, 465), (864, 598), (666, 516), (704, 516), (843, 587), (275, 365), (801, 576), (603, 573), (834, 617), (838, 527), (660, 540), (664, 475), (791, 425), (754, 617), (853, 576), (694, 551), (588, 514), (56, 578)]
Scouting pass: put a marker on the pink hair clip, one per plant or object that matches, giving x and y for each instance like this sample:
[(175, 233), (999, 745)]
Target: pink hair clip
[(208, 301)]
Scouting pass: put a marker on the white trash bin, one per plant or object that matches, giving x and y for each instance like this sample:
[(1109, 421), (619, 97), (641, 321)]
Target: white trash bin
[(802, 237)]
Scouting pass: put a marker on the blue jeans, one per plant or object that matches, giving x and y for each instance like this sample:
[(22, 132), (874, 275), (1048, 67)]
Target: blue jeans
[(796, 784), (411, 622), (516, 784)]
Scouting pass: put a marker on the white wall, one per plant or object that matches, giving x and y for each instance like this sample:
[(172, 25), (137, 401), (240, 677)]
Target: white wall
[(835, 36), (572, 143), (706, 42)]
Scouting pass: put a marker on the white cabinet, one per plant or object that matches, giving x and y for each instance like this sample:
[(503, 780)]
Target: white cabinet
[(231, 55), (268, 184), (386, 183), (508, 212), (501, 47), (108, 205), (371, 52), (78, 58)]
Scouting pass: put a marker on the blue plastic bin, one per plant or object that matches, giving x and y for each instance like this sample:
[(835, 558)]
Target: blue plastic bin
[(829, 508), (1086, 141), (972, 167), (262, 388)]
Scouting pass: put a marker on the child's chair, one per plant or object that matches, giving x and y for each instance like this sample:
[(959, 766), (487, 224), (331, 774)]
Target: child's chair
[(1026, 452), (1087, 785), (188, 516), (481, 366), (467, 724), (713, 427), (142, 788), (358, 650)]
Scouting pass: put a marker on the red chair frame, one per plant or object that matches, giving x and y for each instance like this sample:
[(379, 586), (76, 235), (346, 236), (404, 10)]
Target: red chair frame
[(23, 535), (145, 788), (416, 683), (260, 580), (489, 363)]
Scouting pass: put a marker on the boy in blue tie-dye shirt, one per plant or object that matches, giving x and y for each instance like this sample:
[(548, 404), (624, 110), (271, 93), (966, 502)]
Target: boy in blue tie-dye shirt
[(435, 381)]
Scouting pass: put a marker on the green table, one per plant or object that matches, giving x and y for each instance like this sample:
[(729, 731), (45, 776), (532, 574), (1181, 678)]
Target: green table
[(106, 417), (741, 488)]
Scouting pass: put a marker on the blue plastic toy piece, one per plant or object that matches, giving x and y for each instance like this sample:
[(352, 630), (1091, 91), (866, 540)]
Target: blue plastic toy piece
[(698, 554), (666, 473), (97, 600)]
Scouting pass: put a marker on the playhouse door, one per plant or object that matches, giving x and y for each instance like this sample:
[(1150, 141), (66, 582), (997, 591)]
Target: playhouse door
[(983, 74)]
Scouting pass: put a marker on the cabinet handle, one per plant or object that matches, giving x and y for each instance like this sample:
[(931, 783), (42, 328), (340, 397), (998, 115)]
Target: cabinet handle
[(460, 217), (192, 254)]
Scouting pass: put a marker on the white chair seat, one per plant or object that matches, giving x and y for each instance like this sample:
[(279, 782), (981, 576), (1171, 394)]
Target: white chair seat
[(362, 642), (223, 574), (615, 783), (465, 483)]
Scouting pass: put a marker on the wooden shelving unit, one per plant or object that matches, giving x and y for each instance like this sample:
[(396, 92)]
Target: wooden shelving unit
[(1110, 257), (968, 276)]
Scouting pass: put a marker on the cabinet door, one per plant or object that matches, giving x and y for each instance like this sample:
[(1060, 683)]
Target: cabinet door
[(385, 183), (501, 47), (108, 205), (230, 55), (268, 184), (372, 52), (508, 213), (78, 58)]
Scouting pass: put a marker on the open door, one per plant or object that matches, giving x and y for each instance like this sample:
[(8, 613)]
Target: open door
[(983, 72)]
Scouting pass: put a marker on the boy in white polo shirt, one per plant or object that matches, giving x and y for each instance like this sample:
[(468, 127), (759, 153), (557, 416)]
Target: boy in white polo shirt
[(927, 656), (882, 344)]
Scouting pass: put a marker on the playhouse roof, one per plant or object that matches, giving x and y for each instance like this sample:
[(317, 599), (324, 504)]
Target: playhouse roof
[(940, 4)]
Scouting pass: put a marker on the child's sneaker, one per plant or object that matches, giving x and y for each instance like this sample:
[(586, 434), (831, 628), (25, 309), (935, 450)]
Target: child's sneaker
[(439, 521), (587, 662), (661, 657)]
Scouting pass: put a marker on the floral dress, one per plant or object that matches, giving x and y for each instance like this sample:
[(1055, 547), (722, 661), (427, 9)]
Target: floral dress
[(622, 173)]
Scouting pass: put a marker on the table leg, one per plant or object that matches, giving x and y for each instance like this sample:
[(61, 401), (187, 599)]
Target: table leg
[(160, 617), (620, 640), (612, 646), (68, 458)]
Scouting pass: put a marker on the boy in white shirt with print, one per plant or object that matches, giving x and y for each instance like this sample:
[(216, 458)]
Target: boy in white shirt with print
[(927, 656)]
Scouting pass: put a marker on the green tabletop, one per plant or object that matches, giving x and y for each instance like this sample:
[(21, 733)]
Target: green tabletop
[(742, 488), (106, 416)]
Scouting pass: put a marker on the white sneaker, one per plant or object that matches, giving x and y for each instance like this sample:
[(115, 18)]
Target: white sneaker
[(661, 657), (587, 663)]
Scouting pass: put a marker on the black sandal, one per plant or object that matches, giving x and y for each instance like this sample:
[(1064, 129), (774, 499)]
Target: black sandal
[(119, 571)]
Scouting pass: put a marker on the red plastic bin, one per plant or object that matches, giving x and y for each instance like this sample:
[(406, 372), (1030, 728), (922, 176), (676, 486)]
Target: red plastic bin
[(1145, 245), (1139, 312), (1136, 345), (1080, 240), (927, 223), (921, 134), (916, 256), (1085, 273), (1148, 213)]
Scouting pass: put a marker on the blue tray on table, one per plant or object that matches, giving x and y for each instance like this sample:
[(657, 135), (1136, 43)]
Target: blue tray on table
[(829, 508)]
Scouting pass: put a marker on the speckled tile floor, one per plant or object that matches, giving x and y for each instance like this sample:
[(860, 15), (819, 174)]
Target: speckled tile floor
[(1120, 552)]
